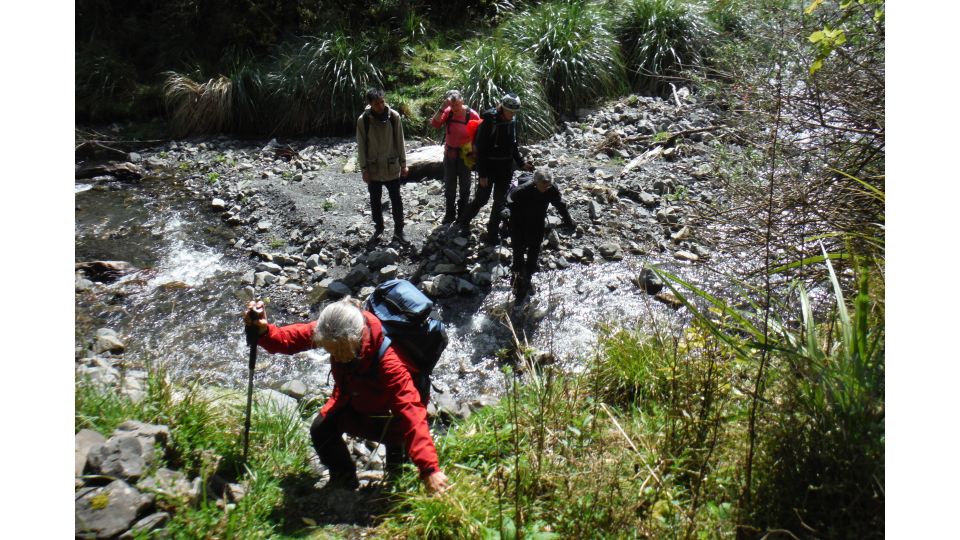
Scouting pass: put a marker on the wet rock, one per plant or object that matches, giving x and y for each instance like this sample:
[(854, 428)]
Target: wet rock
[(295, 389), (270, 267), (649, 281), (262, 279), (464, 287), (611, 251), (108, 511), (444, 285), (82, 284), (104, 271), (121, 171), (669, 299), (108, 341), (481, 278), (83, 441), (684, 255), (145, 525)]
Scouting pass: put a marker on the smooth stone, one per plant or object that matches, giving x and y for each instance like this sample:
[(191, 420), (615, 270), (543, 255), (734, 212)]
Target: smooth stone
[(83, 441), (295, 389)]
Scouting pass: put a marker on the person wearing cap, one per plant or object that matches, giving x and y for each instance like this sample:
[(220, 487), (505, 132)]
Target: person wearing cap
[(374, 399), (383, 160), (455, 117), (528, 211), (497, 152)]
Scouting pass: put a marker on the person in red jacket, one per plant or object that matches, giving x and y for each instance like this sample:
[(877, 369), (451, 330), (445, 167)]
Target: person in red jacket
[(373, 399)]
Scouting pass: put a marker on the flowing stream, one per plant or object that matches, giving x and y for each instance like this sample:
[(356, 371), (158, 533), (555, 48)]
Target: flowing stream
[(183, 308)]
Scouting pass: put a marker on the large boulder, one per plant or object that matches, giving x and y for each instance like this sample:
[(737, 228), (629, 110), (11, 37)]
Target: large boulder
[(105, 512), (425, 162)]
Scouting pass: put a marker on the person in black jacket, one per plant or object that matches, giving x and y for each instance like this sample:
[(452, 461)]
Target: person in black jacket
[(528, 212), (497, 152)]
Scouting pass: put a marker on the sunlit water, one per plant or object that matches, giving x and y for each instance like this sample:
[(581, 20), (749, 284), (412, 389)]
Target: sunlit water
[(183, 309)]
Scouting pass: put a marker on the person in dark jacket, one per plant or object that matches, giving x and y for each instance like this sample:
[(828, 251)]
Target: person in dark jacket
[(528, 213), (373, 399), (497, 152)]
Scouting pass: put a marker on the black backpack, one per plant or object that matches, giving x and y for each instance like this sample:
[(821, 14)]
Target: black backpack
[(404, 312), (446, 125)]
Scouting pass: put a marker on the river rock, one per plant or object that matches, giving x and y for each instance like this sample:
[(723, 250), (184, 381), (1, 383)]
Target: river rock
[(133, 385), (464, 287), (446, 268), (684, 233), (121, 171), (595, 209), (443, 285), (81, 283), (104, 271), (378, 259), (388, 272), (611, 251), (83, 441), (262, 279), (145, 525), (684, 255), (276, 401), (356, 276), (102, 377), (313, 261), (108, 511), (273, 268), (295, 389), (155, 433), (649, 281), (171, 485), (218, 204), (108, 341), (264, 226), (125, 456)]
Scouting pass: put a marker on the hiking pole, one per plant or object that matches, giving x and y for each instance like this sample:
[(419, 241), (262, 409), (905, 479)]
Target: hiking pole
[(252, 337)]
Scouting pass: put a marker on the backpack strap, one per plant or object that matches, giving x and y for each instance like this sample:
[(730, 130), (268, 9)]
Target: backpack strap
[(383, 347)]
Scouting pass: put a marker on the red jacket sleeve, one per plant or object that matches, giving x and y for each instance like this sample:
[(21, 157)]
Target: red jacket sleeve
[(290, 339), (442, 120), (410, 412)]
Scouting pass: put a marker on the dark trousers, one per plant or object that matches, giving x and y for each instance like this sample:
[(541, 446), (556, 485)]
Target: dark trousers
[(526, 242), (455, 174), (498, 183), (326, 433), (376, 204)]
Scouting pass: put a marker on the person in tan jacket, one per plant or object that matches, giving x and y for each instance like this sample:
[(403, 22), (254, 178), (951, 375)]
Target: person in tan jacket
[(382, 159)]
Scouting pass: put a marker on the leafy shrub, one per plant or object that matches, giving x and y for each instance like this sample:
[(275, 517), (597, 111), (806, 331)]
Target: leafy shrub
[(579, 57), (659, 38), (488, 69)]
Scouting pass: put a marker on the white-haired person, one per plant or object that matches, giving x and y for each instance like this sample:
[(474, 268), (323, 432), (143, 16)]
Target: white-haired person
[(528, 214), (372, 399), (497, 152)]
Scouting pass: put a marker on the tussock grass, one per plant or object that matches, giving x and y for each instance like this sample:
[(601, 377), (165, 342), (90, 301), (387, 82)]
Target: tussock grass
[(660, 38), (488, 69), (577, 54)]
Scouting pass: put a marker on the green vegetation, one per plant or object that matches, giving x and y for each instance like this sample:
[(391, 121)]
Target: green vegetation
[(578, 56), (249, 76), (660, 38)]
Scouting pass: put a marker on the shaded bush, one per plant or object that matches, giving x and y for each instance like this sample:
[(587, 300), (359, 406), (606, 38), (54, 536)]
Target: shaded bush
[(321, 85), (578, 56), (660, 38)]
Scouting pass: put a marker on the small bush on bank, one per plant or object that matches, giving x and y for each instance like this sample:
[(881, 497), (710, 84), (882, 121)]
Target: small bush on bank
[(578, 56), (660, 38)]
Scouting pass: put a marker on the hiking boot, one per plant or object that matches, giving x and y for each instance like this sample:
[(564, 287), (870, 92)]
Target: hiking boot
[(448, 219), (400, 237), (377, 231)]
